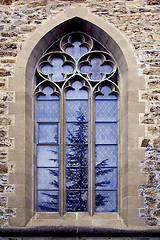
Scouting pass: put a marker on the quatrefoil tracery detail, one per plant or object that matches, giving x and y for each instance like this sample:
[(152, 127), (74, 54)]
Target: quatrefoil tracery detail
[(79, 56)]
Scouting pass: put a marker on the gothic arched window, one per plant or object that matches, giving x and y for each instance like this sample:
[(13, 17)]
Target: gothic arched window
[(77, 127)]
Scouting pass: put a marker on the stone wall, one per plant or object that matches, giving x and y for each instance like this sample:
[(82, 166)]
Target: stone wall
[(139, 22)]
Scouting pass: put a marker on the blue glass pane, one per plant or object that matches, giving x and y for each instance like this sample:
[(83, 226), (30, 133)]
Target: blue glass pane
[(76, 51), (106, 110), (76, 155), (77, 178), (76, 110), (76, 93), (47, 201), (106, 178), (106, 133), (106, 201), (48, 133), (47, 178), (57, 69), (97, 69), (47, 91), (76, 201), (76, 133), (106, 155), (106, 91), (47, 156), (47, 111)]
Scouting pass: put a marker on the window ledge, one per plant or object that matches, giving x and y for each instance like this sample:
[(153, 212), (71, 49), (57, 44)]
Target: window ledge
[(102, 220)]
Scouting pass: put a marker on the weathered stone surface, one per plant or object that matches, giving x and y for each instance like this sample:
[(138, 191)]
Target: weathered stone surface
[(148, 121), (151, 192), (145, 143), (6, 46), (3, 202), (151, 178), (153, 2), (151, 71), (1, 188), (6, 2), (4, 73), (5, 121), (157, 166), (3, 169), (156, 142), (36, 4), (151, 221), (157, 213)]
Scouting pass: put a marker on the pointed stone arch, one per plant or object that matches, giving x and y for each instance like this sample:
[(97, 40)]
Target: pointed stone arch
[(130, 107)]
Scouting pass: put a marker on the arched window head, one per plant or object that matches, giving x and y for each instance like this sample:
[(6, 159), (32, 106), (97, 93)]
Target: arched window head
[(77, 127)]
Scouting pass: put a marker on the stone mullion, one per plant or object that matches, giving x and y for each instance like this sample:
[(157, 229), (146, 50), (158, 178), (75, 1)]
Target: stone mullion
[(62, 156), (91, 155)]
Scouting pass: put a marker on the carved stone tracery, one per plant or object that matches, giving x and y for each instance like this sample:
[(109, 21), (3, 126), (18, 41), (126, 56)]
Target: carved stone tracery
[(77, 56)]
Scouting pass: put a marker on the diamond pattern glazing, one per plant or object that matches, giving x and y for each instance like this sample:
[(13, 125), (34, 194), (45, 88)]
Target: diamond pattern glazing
[(106, 201), (47, 201), (47, 178), (106, 178), (106, 133), (48, 133), (74, 71), (106, 111), (106, 155), (73, 107), (47, 156), (47, 111)]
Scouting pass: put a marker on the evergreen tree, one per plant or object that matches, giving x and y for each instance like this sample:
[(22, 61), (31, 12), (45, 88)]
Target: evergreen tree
[(77, 165)]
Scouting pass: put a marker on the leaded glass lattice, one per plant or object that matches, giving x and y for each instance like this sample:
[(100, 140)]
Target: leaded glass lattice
[(106, 145), (77, 127), (77, 146), (47, 151)]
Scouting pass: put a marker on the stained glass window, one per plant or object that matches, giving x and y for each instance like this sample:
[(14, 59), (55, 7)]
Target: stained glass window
[(77, 127)]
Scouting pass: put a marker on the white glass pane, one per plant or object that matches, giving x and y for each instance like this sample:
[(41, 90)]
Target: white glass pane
[(47, 178), (47, 156), (106, 110), (106, 155), (47, 201), (106, 201), (76, 93), (47, 111), (106, 178), (106, 133), (48, 133), (76, 110)]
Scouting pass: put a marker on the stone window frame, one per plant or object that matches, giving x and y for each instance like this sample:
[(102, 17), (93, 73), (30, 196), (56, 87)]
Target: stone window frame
[(130, 153)]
